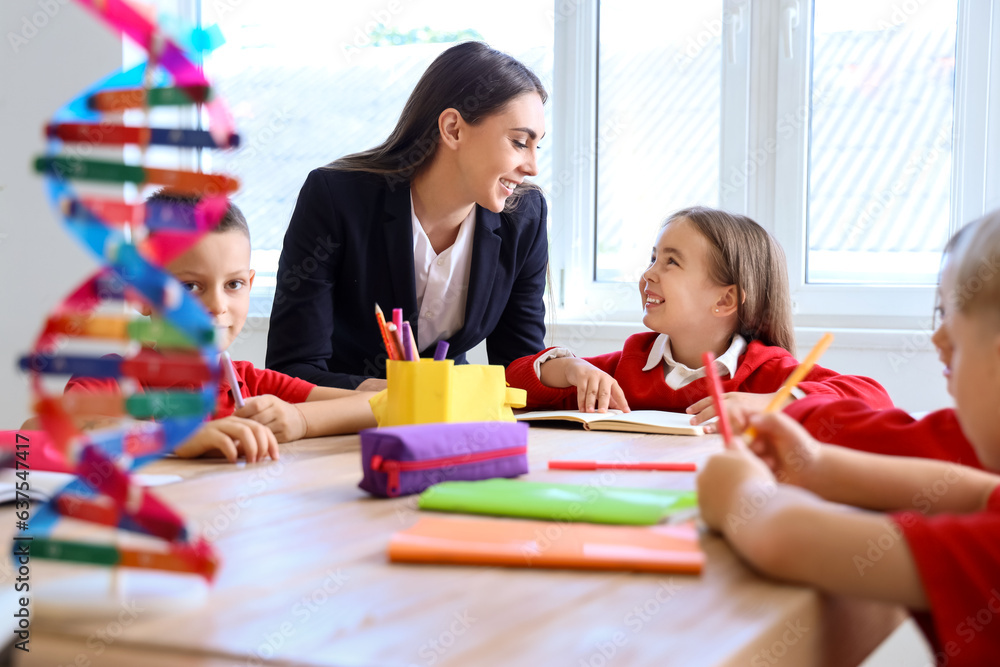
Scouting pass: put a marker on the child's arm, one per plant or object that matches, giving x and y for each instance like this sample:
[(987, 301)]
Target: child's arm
[(870, 481), (327, 393), (790, 534), (347, 412), (853, 424)]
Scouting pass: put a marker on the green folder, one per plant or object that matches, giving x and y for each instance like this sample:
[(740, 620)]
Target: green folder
[(557, 502)]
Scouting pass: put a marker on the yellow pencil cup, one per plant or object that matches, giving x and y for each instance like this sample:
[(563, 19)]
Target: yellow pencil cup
[(428, 392)]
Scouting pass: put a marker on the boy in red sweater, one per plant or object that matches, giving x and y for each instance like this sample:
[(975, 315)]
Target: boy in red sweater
[(937, 550), (717, 282), (278, 408)]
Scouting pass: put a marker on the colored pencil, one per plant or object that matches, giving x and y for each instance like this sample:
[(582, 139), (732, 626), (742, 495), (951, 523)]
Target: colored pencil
[(390, 348), (410, 345), (715, 386), (793, 380), (397, 339), (234, 384), (617, 465)]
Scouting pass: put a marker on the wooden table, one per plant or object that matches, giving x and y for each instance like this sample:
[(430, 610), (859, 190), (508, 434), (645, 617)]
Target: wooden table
[(305, 581)]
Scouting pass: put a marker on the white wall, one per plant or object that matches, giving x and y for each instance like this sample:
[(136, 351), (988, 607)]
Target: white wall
[(66, 50)]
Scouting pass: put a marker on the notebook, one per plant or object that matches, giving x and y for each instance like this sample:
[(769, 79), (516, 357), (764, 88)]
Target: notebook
[(517, 543), (558, 502), (637, 421)]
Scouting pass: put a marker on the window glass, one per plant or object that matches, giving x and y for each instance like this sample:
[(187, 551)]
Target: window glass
[(880, 152)]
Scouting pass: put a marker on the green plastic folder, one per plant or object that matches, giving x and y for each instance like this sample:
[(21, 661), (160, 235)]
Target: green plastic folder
[(557, 502)]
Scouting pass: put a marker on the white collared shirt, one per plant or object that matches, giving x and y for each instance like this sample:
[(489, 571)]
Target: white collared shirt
[(678, 375), (442, 281)]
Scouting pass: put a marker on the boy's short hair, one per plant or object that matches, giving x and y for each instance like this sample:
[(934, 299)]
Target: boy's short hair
[(975, 250), (232, 219)]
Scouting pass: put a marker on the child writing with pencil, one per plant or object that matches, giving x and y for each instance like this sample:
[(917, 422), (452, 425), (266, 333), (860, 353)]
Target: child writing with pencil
[(931, 537), (263, 407), (716, 283)]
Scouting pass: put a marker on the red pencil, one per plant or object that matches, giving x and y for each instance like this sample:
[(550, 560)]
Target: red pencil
[(618, 465), (715, 386)]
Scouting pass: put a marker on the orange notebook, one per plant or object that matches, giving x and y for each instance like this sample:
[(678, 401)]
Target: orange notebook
[(516, 543)]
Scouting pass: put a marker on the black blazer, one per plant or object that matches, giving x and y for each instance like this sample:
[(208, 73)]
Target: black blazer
[(350, 244)]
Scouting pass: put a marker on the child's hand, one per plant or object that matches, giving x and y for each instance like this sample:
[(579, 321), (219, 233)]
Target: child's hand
[(373, 384), (739, 405), (595, 389), (722, 480), (284, 419), (231, 436), (787, 449)]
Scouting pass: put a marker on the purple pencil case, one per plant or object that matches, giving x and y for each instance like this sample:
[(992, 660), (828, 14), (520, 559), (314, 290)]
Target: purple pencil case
[(401, 460)]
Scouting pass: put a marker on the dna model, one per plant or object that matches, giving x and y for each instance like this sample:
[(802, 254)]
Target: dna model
[(175, 387)]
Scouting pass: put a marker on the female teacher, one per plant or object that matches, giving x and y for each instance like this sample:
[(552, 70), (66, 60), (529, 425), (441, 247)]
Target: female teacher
[(437, 220)]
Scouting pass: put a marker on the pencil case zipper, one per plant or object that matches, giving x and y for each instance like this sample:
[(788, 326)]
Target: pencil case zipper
[(393, 467)]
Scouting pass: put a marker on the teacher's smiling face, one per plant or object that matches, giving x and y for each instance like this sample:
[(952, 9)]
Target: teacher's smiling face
[(499, 152)]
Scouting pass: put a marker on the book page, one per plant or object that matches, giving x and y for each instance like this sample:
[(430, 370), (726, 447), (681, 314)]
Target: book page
[(652, 419)]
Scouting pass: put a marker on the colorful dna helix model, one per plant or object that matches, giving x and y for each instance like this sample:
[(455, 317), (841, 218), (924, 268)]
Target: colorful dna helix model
[(176, 386)]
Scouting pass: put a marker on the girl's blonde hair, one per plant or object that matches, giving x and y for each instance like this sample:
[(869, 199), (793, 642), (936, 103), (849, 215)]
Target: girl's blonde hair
[(975, 252), (745, 255)]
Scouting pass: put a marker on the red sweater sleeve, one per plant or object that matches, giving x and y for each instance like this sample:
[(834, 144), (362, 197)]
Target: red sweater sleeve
[(521, 374), (823, 381), (260, 381), (851, 423), (957, 557)]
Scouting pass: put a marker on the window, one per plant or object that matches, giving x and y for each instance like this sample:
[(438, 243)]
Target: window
[(802, 114), (658, 114), (647, 122), (880, 145), (312, 81), (885, 155), (858, 131)]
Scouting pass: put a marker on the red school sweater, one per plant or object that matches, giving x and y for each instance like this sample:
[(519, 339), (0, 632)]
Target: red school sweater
[(762, 369), (958, 557)]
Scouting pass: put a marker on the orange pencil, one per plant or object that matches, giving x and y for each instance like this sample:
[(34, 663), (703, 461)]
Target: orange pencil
[(796, 377), (390, 347)]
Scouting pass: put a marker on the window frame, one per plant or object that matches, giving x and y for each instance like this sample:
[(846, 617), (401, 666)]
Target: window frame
[(766, 85), (870, 305), (577, 143)]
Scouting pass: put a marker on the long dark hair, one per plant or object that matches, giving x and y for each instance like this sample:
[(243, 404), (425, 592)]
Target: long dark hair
[(746, 256), (473, 79)]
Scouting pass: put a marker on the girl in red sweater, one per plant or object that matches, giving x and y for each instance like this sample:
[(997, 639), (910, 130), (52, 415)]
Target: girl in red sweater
[(716, 282)]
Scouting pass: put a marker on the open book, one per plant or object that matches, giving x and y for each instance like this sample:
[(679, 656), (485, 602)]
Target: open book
[(637, 421)]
